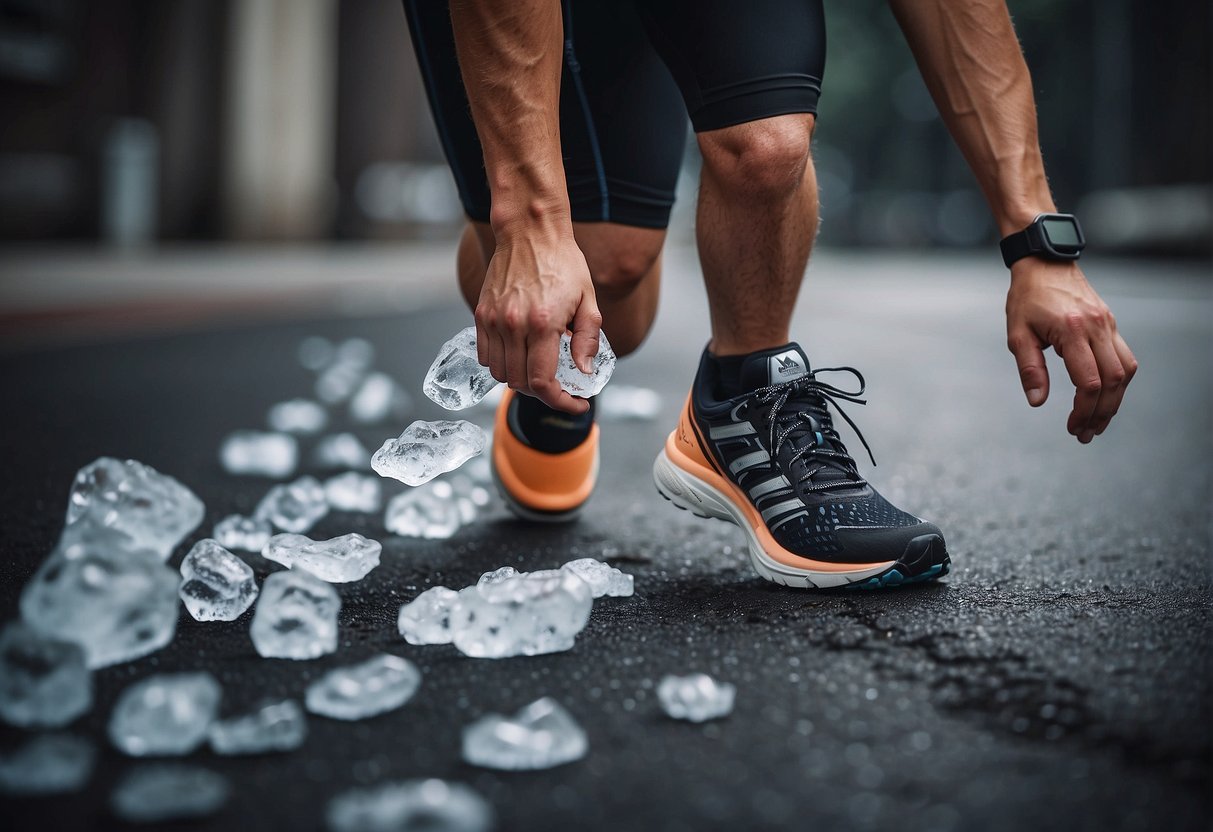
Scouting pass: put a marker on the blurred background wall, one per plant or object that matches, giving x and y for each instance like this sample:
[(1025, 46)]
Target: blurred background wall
[(130, 122)]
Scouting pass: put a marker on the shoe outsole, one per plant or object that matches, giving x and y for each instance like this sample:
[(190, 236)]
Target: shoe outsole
[(924, 559), (533, 515)]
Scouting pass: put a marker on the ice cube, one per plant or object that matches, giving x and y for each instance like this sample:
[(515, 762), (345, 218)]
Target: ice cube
[(154, 510), (427, 618), (576, 383), (426, 449), (163, 792), (259, 454), (341, 378), (410, 806), (603, 579), (470, 496), (363, 690), (316, 353), (47, 764), (341, 450), (352, 491), (624, 402), (165, 715), (216, 585), (115, 601), (429, 511), (248, 534), (296, 617), (276, 726), (541, 735), (524, 615), (695, 698), (379, 399), (294, 506), (498, 575), (43, 681), (340, 560), (299, 416), (456, 380)]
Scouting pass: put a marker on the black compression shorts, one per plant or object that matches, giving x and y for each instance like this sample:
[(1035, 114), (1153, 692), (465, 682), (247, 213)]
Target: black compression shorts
[(633, 70)]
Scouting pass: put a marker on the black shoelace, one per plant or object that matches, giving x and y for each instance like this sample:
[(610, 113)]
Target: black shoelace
[(798, 415)]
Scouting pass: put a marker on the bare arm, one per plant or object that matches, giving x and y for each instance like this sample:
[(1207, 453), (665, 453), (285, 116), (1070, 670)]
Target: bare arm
[(538, 285), (970, 59)]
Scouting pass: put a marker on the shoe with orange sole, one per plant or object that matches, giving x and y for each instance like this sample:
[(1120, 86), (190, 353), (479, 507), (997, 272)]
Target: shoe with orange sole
[(539, 476)]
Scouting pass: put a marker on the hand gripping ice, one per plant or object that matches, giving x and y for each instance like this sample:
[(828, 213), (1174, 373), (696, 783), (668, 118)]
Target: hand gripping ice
[(426, 449)]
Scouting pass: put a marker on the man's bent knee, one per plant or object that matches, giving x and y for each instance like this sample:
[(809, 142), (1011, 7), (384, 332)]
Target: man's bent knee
[(763, 159)]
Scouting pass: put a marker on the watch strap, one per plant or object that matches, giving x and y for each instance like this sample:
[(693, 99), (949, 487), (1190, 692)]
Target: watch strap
[(1016, 246)]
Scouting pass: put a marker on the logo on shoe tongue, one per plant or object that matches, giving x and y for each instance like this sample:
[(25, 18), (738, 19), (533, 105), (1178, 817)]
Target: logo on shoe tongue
[(785, 366)]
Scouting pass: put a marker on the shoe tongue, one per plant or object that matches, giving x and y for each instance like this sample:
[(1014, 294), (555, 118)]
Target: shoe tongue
[(773, 366)]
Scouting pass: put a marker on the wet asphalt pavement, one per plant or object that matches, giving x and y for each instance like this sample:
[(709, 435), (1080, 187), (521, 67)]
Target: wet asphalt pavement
[(1058, 679)]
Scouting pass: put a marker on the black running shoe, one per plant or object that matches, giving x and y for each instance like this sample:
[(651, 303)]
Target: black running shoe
[(771, 461)]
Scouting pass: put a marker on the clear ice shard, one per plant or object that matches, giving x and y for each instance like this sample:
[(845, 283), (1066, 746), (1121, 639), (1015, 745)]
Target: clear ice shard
[(296, 617), (352, 491), (602, 578), (429, 511), (160, 792), (378, 399), (695, 698), (154, 510), (294, 506), (165, 715), (276, 726), (338, 381), (248, 534), (541, 735), (426, 449), (258, 453), (456, 380), (340, 560), (43, 681), (47, 764), (363, 690), (576, 383), (299, 416), (524, 615), (427, 618), (215, 584), (410, 806), (341, 450), (117, 602), (624, 402), (498, 575)]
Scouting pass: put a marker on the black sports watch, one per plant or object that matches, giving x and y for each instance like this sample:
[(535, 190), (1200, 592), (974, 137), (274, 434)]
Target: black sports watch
[(1050, 236)]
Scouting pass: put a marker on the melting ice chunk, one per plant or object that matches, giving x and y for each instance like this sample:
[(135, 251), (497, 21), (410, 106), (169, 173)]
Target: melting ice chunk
[(277, 726), (603, 579), (296, 617), (524, 615), (576, 383), (358, 691), (340, 379), (410, 806), (340, 560), (165, 715), (541, 735), (155, 511), (426, 449), (695, 698), (295, 506), (427, 618), (315, 353), (259, 454), (430, 511), (47, 764), (301, 416), (248, 534), (352, 491), (166, 791), (43, 682), (378, 399), (623, 401), (216, 585), (341, 450), (497, 576), (116, 601), (456, 380)]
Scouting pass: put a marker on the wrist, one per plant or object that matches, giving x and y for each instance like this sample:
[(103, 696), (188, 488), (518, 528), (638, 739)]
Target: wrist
[(530, 214)]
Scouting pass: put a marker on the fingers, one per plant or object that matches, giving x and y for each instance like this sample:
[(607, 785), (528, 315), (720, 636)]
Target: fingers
[(542, 349), (1030, 358), (1113, 378), (587, 323), (1084, 374)]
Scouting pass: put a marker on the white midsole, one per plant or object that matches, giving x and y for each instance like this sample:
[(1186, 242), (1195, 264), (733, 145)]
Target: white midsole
[(688, 491)]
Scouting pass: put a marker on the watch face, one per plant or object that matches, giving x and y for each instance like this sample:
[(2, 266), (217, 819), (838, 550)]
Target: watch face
[(1061, 233)]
